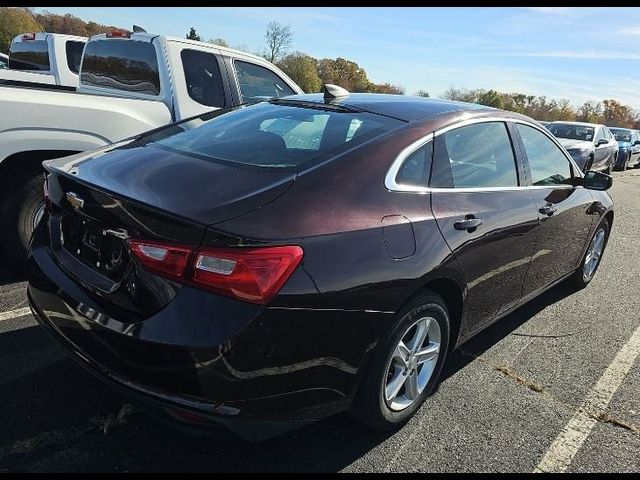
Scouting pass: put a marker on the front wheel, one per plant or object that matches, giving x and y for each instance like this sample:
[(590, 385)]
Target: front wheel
[(591, 260), (21, 210), (405, 366)]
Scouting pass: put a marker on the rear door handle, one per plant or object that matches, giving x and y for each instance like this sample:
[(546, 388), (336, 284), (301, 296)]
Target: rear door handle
[(469, 224), (548, 210)]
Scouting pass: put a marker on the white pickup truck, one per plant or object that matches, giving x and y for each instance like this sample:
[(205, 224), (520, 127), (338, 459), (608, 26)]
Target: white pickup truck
[(129, 83), (49, 58)]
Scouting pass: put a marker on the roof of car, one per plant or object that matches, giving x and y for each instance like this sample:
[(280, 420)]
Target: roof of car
[(403, 107)]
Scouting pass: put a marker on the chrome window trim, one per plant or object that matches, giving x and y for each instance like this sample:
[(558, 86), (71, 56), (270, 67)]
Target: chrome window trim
[(390, 179)]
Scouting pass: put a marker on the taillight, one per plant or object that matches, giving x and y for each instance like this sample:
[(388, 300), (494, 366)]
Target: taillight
[(251, 274), (119, 34), (161, 258), (28, 36)]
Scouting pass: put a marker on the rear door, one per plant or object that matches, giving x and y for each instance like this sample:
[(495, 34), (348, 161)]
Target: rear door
[(564, 210), (488, 220)]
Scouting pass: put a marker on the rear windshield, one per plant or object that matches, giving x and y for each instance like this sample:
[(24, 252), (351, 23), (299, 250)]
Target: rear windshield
[(121, 65), (29, 55), (273, 135)]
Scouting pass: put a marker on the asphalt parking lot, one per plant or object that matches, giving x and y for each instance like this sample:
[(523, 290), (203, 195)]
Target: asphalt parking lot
[(552, 386)]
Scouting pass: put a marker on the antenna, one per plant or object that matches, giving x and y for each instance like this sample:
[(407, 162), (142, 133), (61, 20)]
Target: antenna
[(137, 29), (332, 92)]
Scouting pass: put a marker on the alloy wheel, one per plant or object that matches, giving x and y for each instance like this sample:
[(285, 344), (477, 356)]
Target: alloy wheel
[(592, 258), (412, 363)]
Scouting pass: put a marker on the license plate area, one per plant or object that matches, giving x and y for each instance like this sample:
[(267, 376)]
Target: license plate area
[(87, 240)]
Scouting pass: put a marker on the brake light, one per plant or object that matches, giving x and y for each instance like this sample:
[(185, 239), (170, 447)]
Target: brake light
[(29, 36), (251, 274), (166, 260), (119, 34)]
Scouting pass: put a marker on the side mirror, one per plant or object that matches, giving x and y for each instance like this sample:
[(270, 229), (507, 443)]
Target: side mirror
[(637, 142), (597, 180), (602, 141)]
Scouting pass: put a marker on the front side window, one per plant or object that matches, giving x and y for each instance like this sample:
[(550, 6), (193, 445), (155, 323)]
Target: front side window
[(74, 55), (29, 55), (125, 65), (475, 156), (271, 135), (547, 163), (203, 78), (259, 83)]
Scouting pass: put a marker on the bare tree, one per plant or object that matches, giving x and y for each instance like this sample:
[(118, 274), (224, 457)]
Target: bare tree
[(278, 38)]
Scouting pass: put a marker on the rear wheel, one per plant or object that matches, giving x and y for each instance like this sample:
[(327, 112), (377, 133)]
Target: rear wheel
[(591, 260), (405, 366), (22, 207)]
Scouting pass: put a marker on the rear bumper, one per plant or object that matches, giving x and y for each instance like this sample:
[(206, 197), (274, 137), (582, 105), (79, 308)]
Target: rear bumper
[(205, 360)]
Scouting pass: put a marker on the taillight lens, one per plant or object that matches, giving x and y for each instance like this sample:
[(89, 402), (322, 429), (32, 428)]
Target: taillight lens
[(161, 258), (251, 274)]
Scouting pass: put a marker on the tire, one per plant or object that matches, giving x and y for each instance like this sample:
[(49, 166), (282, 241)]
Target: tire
[(370, 406), (22, 202), (580, 279)]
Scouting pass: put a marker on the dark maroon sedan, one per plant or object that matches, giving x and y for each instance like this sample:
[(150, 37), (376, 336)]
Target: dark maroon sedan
[(269, 265)]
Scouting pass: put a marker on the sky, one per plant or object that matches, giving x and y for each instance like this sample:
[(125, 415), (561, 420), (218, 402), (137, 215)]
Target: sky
[(579, 53)]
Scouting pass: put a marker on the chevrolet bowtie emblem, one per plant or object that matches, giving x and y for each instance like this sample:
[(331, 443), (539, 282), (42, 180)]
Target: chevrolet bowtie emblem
[(75, 201)]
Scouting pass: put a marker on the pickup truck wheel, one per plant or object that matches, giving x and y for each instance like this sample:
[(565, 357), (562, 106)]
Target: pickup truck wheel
[(22, 208)]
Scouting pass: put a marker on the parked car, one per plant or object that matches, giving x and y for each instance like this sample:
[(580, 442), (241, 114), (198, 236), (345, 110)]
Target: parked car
[(129, 83), (264, 266), (44, 58), (628, 147), (4, 61), (592, 146)]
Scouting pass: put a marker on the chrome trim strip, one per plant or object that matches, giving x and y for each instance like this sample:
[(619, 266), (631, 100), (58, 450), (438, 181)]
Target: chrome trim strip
[(390, 179)]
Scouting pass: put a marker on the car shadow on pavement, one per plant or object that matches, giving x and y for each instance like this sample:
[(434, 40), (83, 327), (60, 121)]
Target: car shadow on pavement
[(8, 273), (57, 417), (504, 327)]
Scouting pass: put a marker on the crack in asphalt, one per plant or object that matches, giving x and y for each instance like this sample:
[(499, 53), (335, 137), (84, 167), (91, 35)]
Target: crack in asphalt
[(13, 455), (512, 374)]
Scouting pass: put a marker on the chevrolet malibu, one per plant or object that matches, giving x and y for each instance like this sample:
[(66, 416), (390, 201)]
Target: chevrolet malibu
[(266, 266)]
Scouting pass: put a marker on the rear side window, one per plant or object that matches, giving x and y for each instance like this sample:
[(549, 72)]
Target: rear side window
[(121, 65), (259, 83), (547, 163), (475, 156), (274, 135), (74, 55), (202, 74), (415, 169), (29, 55)]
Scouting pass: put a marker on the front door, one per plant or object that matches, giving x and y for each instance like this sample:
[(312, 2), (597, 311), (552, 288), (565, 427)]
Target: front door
[(488, 220), (563, 209)]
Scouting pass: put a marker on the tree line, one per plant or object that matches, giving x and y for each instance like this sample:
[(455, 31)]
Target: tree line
[(610, 112)]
